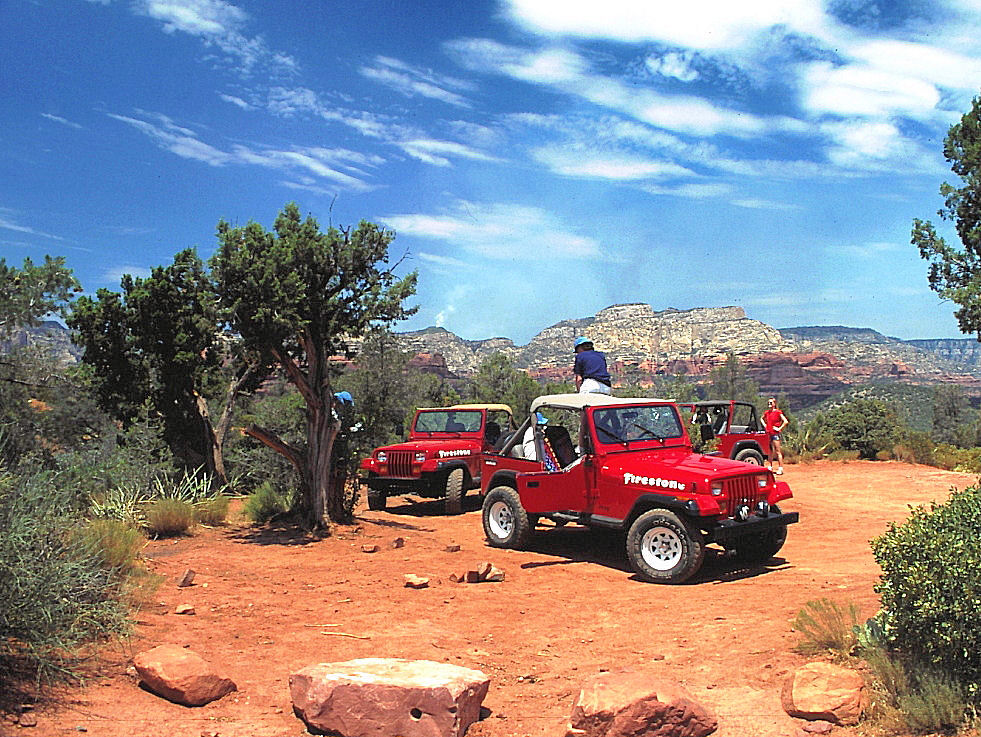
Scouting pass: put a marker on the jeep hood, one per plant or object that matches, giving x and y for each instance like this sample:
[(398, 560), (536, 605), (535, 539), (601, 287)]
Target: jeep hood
[(677, 462), (433, 445)]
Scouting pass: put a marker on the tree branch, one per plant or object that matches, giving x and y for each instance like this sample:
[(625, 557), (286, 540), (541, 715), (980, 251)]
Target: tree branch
[(271, 440)]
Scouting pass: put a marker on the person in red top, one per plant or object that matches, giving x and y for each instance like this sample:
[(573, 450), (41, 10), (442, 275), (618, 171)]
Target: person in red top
[(775, 421)]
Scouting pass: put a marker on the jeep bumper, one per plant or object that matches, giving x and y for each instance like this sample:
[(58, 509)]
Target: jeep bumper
[(391, 485), (728, 530)]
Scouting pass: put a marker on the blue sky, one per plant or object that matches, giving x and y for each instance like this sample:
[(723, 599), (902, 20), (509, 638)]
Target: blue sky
[(538, 160)]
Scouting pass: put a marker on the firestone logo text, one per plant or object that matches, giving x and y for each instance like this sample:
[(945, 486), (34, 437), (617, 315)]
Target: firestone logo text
[(452, 453), (629, 478)]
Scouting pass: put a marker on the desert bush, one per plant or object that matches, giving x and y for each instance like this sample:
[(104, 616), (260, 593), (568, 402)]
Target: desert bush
[(825, 626), (114, 543), (63, 594), (212, 511), (264, 503), (929, 588), (952, 458), (864, 425), (917, 699), (169, 517), (914, 447)]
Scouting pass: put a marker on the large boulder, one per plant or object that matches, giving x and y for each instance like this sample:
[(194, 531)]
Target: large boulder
[(630, 704), (380, 697), (825, 691), (181, 675)]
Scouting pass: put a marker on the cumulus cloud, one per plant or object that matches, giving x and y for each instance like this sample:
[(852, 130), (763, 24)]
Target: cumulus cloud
[(673, 64), (499, 231)]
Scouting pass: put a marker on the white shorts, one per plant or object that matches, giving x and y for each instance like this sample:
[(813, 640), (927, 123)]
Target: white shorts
[(591, 386)]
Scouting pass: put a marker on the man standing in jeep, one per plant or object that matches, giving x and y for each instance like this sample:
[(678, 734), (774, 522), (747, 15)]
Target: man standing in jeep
[(590, 368)]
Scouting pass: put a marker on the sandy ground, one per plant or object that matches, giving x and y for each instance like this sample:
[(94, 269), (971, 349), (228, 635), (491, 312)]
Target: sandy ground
[(269, 602)]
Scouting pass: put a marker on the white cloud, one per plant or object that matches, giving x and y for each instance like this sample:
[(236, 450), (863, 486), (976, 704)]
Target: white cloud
[(115, 274), (434, 258), (673, 64), (758, 204), (697, 24), (866, 91), (236, 101), (577, 162), (326, 164), (499, 231), (567, 72), (8, 224), (59, 119), (221, 25), (412, 82)]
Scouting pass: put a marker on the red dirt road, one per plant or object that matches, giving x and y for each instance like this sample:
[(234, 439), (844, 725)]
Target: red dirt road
[(270, 602)]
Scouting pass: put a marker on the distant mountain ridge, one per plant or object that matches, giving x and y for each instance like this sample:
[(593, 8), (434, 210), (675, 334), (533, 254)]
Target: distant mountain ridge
[(807, 363)]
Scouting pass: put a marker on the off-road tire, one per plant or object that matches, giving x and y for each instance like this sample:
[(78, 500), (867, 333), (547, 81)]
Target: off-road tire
[(376, 500), (454, 491), (762, 546), (506, 524), (664, 548), (748, 455)]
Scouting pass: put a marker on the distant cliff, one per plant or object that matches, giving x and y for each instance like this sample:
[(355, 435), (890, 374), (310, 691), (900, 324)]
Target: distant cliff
[(50, 335), (806, 363)]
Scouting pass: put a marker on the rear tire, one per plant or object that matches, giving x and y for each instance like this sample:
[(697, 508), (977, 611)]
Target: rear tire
[(377, 500), (749, 455), (506, 523), (454, 492), (664, 548)]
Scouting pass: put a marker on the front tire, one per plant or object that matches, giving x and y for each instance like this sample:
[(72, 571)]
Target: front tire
[(506, 523), (750, 456), (377, 500), (664, 548), (454, 492), (762, 546)]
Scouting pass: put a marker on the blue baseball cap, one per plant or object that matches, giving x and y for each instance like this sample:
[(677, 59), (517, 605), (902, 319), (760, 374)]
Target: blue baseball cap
[(581, 341), (540, 418), (344, 397)]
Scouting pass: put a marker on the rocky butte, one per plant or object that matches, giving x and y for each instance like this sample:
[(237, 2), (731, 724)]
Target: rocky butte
[(807, 364)]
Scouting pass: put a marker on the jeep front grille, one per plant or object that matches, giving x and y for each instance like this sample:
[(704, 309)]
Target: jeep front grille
[(400, 463), (742, 490)]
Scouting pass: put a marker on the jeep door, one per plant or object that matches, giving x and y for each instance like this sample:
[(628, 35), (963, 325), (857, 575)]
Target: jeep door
[(568, 490)]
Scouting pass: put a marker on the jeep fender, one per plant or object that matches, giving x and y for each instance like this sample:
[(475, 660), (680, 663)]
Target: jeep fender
[(747, 444), (504, 477), (443, 468), (646, 502)]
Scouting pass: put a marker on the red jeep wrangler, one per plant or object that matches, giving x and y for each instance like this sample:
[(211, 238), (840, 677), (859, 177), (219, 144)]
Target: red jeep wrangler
[(741, 435), (441, 458), (633, 470)]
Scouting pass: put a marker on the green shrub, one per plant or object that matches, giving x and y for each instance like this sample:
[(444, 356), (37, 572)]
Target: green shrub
[(264, 503), (63, 594), (864, 425), (930, 587), (952, 458), (824, 626), (920, 700), (915, 447), (212, 511), (169, 517), (116, 544)]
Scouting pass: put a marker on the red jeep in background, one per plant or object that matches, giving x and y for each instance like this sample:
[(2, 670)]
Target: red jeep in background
[(441, 458), (740, 434), (634, 470)]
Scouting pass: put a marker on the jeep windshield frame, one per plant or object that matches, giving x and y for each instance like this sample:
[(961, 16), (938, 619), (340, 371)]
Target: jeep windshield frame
[(632, 427), (451, 422)]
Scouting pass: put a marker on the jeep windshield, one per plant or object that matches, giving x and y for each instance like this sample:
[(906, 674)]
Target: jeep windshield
[(449, 420), (627, 426)]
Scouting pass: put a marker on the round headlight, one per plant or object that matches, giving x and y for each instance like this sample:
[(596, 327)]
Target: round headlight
[(716, 488), (382, 456), (762, 480), (420, 457)]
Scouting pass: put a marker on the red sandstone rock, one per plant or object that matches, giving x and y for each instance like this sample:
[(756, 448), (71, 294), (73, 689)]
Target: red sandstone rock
[(825, 691), (631, 704), (381, 697), (181, 675)]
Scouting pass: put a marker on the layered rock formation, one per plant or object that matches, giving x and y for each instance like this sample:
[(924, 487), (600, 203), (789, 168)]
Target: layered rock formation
[(807, 364)]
